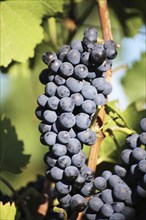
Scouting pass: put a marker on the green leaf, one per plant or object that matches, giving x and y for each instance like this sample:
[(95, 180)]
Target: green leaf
[(11, 157), (134, 81), (20, 27), (7, 211)]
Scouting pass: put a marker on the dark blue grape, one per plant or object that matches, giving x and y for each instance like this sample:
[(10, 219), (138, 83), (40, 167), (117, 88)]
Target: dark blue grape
[(62, 91), (53, 103), (110, 44), (48, 57), (82, 121), (132, 141), (100, 100), (49, 159), (143, 124), (59, 80), (85, 58), (81, 71), (99, 83), (78, 160), (77, 98), (118, 206), (77, 45), (73, 56), (74, 146), (74, 85), (106, 174), (100, 183), (87, 136), (142, 138), (120, 171), (66, 69), (88, 107), (111, 53), (67, 104), (50, 89), (142, 166), (50, 116), (56, 173), (43, 127), (50, 138), (59, 150), (71, 173), (63, 137), (95, 204), (78, 203), (89, 92), (87, 189), (63, 188), (138, 154), (55, 64), (107, 210), (106, 196), (117, 216), (42, 100), (67, 120), (64, 161), (121, 191)]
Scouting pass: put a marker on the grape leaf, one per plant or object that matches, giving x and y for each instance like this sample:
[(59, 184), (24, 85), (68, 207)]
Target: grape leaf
[(20, 27), (11, 157), (134, 81), (7, 211)]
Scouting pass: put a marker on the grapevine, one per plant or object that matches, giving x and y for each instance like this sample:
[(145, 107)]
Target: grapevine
[(77, 123)]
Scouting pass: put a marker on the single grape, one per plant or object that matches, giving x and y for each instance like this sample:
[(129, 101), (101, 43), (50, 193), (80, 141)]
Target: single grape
[(39, 112), (111, 53), (82, 121), (117, 216), (106, 174), (120, 171), (126, 156), (85, 58), (63, 137), (121, 191), (79, 182), (142, 166), (77, 45), (73, 56), (50, 89), (87, 136), (100, 183), (66, 69), (98, 55), (43, 127), (67, 120), (64, 161), (106, 65), (59, 150), (50, 138), (89, 92), (107, 210), (78, 160), (88, 173), (74, 146), (95, 204), (67, 104), (48, 57), (49, 159), (114, 180), (110, 44), (142, 138), (55, 64), (138, 154), (88, 107), (132, 141), (59, 80), (87, 189), (50, 116), (74, 85), (42, 100), (108, 89), (81, 71), (62, 91), (71, 173), (63, 188), (100, 100), (56, 173), (77, 98), (99, 83), (106, 196), (64, 199), (143, 124), (53, 103), (118, 206), (78, 203)]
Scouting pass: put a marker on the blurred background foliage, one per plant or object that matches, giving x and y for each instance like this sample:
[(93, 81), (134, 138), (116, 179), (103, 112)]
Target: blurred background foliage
[(30, 28)]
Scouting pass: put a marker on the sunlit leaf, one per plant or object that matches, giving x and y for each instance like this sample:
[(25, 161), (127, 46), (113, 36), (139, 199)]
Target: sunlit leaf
[(7, 211), (20, 27)]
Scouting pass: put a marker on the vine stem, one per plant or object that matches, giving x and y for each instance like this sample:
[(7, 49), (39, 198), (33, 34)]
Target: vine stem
[(107, 35), (22, 202)]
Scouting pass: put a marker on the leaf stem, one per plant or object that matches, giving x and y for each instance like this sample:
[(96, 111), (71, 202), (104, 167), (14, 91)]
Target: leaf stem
[(122, 129), (21, 201)]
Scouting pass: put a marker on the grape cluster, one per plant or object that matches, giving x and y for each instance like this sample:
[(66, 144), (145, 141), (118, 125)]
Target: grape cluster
[(117, 194), (75, 86)]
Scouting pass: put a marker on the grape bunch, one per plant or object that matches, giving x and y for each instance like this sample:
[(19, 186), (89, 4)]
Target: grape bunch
[(75, 87), (118, 194)]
